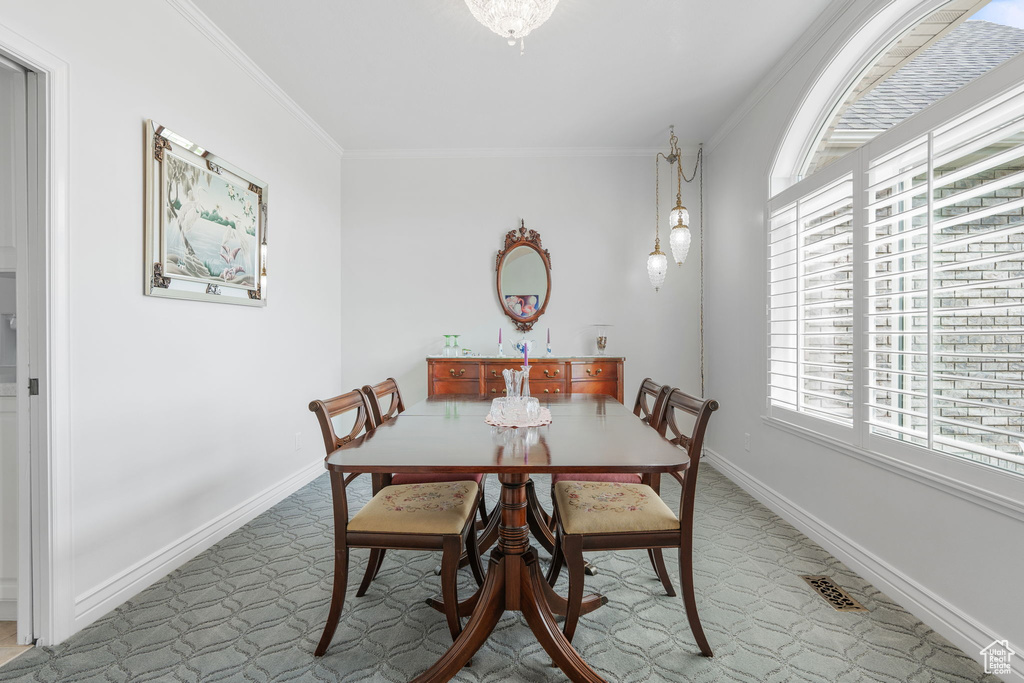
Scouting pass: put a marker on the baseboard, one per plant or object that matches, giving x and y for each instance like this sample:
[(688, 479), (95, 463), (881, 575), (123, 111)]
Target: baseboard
[(104, 597), (953, 624), (8, 599)]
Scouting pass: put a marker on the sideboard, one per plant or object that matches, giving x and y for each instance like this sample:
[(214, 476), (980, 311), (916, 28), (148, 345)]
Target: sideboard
[(559, 375)]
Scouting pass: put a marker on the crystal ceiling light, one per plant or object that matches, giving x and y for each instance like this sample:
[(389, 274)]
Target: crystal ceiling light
[(512, 19)]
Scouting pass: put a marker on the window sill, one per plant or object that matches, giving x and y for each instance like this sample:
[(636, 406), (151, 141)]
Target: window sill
[(977, 483)]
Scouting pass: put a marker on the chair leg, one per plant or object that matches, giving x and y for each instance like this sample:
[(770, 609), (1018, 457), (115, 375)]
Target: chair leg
[(557, 560), (690, 600), (452, 550), (372, 565), (473, 555), (337, 600), (380, 561), (557, 557), (483, 501), (658, 562), (572, 550)]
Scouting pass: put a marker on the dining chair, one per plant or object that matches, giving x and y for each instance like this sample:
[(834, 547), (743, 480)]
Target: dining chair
[(650, 408), (388, 391), (603, 515), (420, 516)]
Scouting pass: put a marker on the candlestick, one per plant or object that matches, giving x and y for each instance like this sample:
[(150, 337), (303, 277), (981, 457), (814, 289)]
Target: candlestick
[(526, 354)]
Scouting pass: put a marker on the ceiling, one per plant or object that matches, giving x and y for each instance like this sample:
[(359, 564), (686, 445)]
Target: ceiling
[(424, 75)]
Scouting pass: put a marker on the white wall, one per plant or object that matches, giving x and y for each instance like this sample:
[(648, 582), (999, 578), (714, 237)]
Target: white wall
[(419, 242), (943, 553), (181, 412)]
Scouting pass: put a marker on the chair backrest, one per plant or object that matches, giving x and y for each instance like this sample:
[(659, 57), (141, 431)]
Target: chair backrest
[(693, 443), (650, 402), (329, 408), (701, 409), (374, 394)]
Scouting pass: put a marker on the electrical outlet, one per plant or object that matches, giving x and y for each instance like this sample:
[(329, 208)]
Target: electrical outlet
[(298, 441), (746, 442)]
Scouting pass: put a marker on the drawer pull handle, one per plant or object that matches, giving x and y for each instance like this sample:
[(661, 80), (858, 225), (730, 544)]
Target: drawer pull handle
[(558, 391), (461, 372), (494, 373), (494, 391), (548, 373), (547, 391), (594, 374)]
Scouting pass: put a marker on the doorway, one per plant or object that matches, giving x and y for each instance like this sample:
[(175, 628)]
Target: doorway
[(19, 329)]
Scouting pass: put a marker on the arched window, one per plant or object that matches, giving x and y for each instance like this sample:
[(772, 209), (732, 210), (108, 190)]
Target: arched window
[(896, 267), (951, 47), (909, 56)]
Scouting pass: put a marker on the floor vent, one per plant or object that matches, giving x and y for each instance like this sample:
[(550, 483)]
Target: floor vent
[(833, 594)]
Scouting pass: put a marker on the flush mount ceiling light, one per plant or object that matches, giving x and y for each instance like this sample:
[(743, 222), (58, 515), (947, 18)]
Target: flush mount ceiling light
[(512, 19)]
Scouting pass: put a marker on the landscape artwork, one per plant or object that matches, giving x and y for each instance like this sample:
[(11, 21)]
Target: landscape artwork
[(209, 226)]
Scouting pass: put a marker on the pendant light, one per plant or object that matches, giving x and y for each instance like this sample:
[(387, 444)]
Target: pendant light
[(657, 262), (679, 217)]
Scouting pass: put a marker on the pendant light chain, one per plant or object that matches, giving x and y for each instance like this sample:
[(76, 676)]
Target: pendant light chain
[(657, 206), (700, 162)]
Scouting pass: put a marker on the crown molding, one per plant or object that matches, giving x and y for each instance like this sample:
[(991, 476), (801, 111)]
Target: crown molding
[(215, 35), (821, 25), (511, 152)]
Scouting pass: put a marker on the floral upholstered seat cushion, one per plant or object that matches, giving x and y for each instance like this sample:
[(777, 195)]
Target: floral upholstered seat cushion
[(595, 507), (434, 508)]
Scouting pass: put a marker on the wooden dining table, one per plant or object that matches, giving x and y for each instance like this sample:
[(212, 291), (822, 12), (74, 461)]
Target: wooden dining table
[(587, 433)]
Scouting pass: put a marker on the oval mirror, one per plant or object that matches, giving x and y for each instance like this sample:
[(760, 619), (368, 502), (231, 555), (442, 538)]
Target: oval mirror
[(523, 277)]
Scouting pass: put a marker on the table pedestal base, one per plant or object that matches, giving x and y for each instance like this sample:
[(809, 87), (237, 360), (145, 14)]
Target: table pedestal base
[(514, 582), (492, 601)]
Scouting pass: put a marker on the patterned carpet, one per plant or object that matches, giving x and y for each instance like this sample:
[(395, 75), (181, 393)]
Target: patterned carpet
[(252, 608)]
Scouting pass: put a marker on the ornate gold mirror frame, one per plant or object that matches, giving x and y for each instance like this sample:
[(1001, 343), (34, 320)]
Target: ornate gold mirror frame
[(522, 237)]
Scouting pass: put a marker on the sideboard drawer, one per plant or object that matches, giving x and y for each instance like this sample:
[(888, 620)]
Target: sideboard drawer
[(456, 371), (539, 389), (492, 370), (604, 370), (602, 386), (496, 387), (455, 386)]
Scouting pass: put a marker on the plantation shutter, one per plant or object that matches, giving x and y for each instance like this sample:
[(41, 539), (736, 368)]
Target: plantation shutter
[(811, 303)]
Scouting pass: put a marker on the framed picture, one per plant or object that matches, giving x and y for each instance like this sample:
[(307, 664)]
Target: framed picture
[(206, 224)]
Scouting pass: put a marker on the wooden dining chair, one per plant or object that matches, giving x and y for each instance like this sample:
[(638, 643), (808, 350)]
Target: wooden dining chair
[(650, 408), (388, 391), (595, 515), (650, 391), (423, 516)]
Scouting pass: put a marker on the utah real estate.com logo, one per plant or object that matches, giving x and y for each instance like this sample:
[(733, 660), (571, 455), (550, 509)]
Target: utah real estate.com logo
[(997, 657)]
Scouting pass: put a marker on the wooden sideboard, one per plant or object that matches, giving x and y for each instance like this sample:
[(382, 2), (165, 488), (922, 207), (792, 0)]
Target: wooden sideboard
[(482, 375)]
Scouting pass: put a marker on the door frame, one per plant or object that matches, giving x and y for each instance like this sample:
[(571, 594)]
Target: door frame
[(46, 598)]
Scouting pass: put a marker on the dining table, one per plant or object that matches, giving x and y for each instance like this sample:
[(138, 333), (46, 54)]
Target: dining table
[(587, 434)]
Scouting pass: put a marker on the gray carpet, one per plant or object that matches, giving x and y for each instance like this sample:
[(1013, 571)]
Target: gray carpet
[(252, 608)]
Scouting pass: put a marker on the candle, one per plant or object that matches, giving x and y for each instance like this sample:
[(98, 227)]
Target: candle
[(549, 335), (526, 354), (499, 335)]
